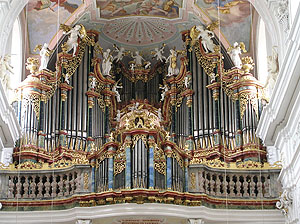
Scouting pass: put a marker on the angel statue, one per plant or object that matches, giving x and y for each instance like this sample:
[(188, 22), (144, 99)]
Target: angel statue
[(107, 62), (158, 53), (6, 70), (76, 32), (115, 90), (234, 53), (45, 53), (120, 53), (172, 60), (165, 89), (206, 39)]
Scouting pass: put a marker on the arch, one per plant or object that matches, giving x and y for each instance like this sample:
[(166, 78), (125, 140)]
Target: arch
[(13, 11)]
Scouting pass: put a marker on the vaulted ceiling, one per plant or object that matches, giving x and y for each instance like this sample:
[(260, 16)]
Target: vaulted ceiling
[(139, 24)]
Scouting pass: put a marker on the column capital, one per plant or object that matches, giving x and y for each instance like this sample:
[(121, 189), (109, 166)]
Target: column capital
[(195, 221)]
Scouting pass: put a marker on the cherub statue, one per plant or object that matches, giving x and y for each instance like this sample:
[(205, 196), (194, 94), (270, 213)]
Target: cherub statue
[(76, 32), (273, 68), (234, 53), (107, 62), (136, 107), (206, 38), (165, 89), (120, 53), (138, 59), (93, 82), (6, 70), (172, 60), (118, 116), (158, 53), (45, 53), (115, 90)]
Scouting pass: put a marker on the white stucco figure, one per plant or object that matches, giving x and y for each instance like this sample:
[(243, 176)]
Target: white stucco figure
[(6, 70), (115, 90), (159, 114), (273, 69), (187, 82), (158, 53), (172, 60), (118, 116), (206, 39), (67, 78), (138, 59), (272, 155), (107, 62), (6, 158), (120, 53), (234, 53), (93, 83), (45, 53), (148, 64), (165, 89), (72, 42), (132, 66)]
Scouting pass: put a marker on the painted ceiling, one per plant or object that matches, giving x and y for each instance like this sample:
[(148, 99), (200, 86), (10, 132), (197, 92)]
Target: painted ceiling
[(138, 24)]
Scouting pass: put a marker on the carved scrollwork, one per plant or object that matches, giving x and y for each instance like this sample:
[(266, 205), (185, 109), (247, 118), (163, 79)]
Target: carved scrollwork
[(120, 161), (159, 160)]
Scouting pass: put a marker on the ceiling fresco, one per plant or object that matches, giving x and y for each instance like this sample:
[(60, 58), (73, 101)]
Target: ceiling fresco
[(44, 17), (139, 24), (110, 9), (234, 17)]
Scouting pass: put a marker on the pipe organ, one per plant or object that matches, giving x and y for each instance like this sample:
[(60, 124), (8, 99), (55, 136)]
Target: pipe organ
[(139, 127)]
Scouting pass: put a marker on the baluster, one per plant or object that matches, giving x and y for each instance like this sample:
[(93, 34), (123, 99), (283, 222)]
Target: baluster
[(67, 185), (231, 186), (78, 182), (47, 186), (201, 181), (25, 186), (252, 187), (245, 186), (40, 186), (259, 187), (32, 187), (72, 183), (218, 185), (18, 187), (238, 186), (212, 185), (267, 189), (54, 186), (206, 183), (11, 187), (61, 185), (225, 186)]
